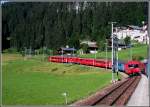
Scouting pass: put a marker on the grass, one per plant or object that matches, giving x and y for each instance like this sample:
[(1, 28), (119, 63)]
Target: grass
[(123, 54), (35, 82), (10, 57)]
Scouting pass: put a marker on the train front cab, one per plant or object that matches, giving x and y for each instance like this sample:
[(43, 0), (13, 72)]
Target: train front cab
[(134, 67)]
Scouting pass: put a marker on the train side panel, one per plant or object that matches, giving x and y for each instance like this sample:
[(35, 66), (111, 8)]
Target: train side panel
[(101, 63), (121, 66)]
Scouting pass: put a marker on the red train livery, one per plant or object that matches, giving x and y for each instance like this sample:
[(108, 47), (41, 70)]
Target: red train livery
[(130, 67)]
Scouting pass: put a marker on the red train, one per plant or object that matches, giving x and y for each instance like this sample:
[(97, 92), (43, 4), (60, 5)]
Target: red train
[(133, 67), (82, 61), (129, 67)]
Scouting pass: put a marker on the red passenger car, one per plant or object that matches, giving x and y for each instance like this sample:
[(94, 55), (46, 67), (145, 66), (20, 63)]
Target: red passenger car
[(72, 60), (109, 64), (103, 63), (58, 59), (99, 63), (64, 59), (87, 61)]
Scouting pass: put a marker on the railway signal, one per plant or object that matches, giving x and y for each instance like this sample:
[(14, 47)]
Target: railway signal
[(62, 55), (95, 55)]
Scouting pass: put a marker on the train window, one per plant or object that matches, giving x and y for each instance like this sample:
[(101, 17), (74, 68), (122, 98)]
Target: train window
[(133, 66)]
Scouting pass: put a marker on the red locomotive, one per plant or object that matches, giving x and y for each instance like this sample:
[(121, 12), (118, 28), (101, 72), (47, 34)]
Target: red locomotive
[(133, 67)]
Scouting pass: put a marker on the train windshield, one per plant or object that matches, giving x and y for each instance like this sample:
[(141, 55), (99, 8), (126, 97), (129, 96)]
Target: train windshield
[(133, 66)]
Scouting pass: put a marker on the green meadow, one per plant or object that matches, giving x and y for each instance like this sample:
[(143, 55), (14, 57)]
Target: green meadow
[(36, 82), (140, 50), (33, 81)]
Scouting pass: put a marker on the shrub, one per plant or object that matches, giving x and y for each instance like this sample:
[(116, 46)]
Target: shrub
[(45, 51), (54, 69), (10, 50), (127, 40), (138, 57), (84, 47)]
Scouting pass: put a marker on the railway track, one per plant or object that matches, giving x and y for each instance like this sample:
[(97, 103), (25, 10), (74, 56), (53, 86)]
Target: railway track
[(116, 95)]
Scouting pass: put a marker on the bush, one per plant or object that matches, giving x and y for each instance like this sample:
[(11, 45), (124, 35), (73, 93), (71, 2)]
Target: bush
[(40, 51), (46, 51), (127, 40), (10, 50), (54, 69), (49, 52), (139, 45), (84, 47), (138, 57)]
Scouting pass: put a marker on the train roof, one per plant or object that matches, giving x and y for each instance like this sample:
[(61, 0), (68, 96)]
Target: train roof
[(133, 62)]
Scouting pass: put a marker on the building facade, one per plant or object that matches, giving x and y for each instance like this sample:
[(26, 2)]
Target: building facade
[(139, 34)]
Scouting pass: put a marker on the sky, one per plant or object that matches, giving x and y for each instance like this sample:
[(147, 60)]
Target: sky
[(3, 1)]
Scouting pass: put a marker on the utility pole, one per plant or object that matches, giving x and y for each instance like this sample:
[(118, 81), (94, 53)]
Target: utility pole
[(117, 59), (117, 45), (73, 51), (25, 53), (43, 53), (30, 52), (106, 53), (130, 46), (148, 65), (130, 51), (95, 53), (93, 61), (62, 55), (144, 31), (94, 57), (112, 46), (44, 49)]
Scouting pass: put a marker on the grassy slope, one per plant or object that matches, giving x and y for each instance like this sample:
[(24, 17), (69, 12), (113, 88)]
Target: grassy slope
[(35, 82), (123, 54)]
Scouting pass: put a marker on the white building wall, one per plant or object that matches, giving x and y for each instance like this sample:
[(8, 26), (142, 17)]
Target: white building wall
[(138, 35)]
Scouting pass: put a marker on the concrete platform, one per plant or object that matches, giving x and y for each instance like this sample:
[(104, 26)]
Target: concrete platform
[(141, 95)]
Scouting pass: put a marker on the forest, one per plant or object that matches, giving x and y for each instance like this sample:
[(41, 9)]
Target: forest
[(57, 24)]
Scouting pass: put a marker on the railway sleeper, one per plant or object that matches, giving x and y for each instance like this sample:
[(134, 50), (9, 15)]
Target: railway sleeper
[(110, 98), (125, 97)]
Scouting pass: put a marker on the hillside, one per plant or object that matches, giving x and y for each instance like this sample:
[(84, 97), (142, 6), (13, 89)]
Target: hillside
[(56, 24)]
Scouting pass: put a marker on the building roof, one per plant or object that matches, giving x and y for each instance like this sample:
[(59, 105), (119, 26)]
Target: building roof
[(135, 27), (90, 43), (68, 49)]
